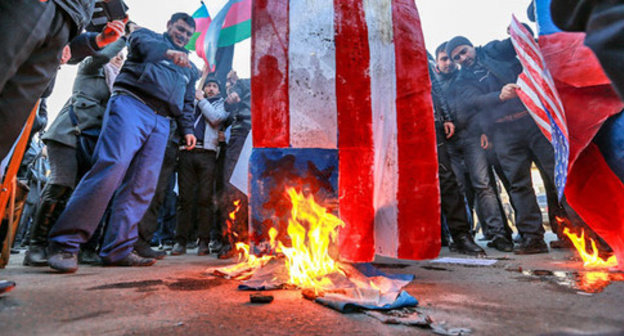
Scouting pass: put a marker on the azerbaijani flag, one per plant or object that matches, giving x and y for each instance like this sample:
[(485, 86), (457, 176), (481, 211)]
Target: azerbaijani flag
[(237, 25), (231, 25), (202, 22)]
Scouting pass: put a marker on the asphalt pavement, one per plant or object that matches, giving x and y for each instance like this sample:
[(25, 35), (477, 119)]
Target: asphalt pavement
[(544, 294)]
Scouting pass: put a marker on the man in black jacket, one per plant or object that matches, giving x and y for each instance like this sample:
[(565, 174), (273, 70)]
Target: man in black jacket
[(156, 83), (452, 200), (466, 145), (32, 35), (487, 88)]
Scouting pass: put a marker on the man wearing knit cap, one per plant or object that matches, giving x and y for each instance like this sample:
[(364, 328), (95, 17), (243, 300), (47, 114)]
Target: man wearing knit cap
[(466, 144), (487, 89), (197, 170)]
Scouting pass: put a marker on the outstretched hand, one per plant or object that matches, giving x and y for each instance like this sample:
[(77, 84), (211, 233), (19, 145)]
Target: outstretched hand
[(111, 33)]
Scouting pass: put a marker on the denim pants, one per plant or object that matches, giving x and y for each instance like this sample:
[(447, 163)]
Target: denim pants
[(128, 157), (467, 146)]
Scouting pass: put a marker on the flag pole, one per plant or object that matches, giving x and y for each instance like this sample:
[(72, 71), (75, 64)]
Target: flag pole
[(203, 77), (7, 189)]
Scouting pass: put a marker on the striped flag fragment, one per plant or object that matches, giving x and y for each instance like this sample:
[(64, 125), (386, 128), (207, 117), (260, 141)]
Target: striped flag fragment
[(351, 77), (539, 94)]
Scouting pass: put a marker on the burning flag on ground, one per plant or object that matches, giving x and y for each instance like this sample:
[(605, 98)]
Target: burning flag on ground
[(303, 260)]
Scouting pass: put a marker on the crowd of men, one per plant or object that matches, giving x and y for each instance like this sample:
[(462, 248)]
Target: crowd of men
[(131, 124)]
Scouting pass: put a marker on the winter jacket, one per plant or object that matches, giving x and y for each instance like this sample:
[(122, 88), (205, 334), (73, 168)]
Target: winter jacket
[(479, 104), (214, 114), (80, 11), (89, 98), (240, 113), (164, 86)]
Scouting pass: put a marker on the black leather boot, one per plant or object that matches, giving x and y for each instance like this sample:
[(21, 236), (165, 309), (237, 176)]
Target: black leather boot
[(53, 200), (464, 244)]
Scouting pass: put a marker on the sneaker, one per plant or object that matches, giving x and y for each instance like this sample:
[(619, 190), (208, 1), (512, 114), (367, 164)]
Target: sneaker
[(146, 251), (203, 248), (178, 249), (64, 262), (133, 260), (227, 252), (502, 244), (89, 257), (36, 256), (215, 246), (531, 246), (6, 286)]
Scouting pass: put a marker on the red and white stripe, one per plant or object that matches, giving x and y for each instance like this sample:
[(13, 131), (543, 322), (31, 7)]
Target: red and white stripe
[(334, 74), (537, 86)]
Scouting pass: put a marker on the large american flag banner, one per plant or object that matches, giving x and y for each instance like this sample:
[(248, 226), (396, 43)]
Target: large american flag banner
[(539, 95), (351, 76)]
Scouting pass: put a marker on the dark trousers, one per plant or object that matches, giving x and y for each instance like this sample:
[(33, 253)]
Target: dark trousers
[(32, 36), (238, 231), (467, 147), (453, 205), (518, 144), (149, 223), (196, 181), (127, 159)]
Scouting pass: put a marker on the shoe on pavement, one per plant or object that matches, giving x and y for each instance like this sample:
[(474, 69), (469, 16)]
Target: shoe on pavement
[(215, 246), (6, 286), (561, 244), (133, 260), (64, 262), (464, 244), (203, 248), (89, 257), (227, 252), (36, 256), (178, 249), (532, 246), (502, 244), (146, 251)]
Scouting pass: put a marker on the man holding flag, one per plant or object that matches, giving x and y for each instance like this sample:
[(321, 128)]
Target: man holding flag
[(487, 84)]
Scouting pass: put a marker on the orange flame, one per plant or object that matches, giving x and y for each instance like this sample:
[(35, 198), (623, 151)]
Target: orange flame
[(590, 260), (308, 260), (312, 230)]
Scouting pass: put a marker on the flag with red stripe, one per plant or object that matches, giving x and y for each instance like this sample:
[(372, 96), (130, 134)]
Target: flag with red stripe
[(351, 77), (539, 95)]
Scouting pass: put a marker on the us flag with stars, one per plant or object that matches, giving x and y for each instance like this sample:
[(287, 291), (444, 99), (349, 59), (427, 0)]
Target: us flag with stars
[(539, 95)]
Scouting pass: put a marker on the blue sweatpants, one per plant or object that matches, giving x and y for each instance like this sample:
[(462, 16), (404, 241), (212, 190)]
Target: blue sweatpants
[(127, 158)]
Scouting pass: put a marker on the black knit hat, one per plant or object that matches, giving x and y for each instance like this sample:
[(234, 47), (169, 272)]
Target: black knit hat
[(212, 79), (456, 42)]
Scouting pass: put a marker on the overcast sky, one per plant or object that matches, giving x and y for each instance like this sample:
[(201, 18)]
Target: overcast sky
[(479, 20)]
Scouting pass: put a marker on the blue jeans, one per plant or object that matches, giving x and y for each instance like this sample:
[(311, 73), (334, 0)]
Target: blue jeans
[(468, 147), (128, 157)]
